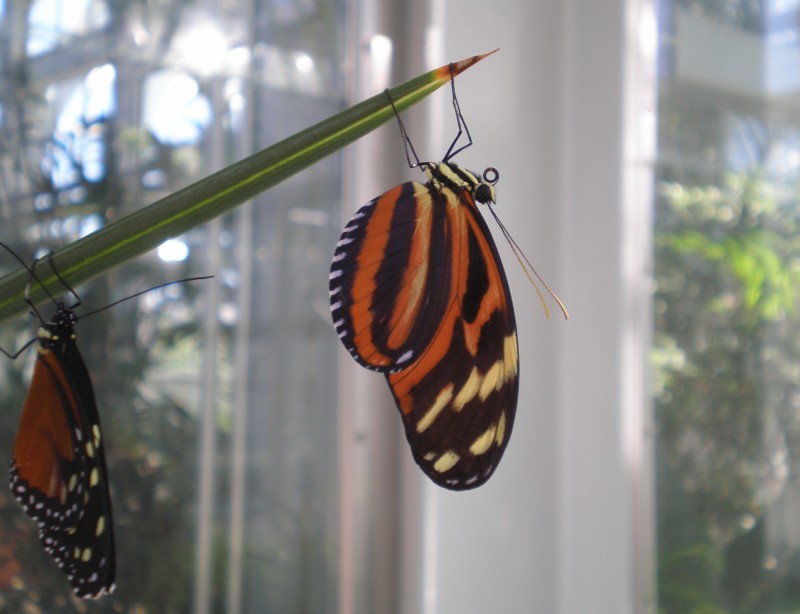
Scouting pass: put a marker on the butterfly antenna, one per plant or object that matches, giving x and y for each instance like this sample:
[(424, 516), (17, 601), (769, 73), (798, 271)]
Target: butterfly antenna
[(408, 146), (523, 260), (460, 122), (127, 298)]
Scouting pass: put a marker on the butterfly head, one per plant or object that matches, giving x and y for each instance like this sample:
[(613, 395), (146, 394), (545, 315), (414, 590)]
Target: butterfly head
[(64, 318), (484, 191), (61, 325)]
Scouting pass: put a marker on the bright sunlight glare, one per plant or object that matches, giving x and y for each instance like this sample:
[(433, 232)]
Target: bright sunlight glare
[(173, 250)]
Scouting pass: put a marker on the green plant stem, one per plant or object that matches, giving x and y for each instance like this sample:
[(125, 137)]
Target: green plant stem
[(216, 194)]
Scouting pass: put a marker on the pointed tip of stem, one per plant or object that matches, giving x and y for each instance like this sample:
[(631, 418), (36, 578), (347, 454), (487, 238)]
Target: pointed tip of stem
[(457, 68)]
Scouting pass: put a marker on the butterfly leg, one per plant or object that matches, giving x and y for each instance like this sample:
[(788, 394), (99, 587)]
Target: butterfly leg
[(408, 146), (460, 122)]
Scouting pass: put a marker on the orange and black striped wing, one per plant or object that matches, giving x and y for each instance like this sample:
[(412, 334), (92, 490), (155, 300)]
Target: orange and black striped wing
[(58, 471), (389, 278), (458, 399), (443, 304)]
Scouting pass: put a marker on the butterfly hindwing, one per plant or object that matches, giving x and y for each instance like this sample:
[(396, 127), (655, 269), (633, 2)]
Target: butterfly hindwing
[(458, 399)]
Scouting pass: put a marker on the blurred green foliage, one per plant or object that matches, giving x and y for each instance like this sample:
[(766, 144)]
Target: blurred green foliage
[(726, 364)]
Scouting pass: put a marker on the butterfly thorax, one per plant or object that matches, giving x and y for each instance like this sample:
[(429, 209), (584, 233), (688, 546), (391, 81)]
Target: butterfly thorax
[(448, 175)]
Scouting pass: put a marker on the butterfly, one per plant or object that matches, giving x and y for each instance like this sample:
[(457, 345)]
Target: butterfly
[(418, 293), (58, 469)]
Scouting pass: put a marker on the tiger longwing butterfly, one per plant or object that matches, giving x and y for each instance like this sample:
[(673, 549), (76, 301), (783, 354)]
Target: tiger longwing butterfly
[(58, 469), (418, 293)]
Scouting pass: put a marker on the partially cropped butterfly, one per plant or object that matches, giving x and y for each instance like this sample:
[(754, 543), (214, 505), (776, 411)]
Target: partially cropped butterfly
[(58, 468), (419, 294)]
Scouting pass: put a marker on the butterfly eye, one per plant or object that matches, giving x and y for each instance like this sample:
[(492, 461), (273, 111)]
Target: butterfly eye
[(491, 175), (484, 193)]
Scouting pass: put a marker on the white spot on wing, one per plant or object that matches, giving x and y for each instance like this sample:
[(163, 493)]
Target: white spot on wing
[(405, 357)]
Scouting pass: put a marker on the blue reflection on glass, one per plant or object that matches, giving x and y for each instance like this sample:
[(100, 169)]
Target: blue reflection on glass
[(52, 21), (175, 110), (79, 148)]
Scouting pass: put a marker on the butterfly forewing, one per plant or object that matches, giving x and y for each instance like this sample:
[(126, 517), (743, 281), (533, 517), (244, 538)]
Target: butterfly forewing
[(418, 292), (58, 471), (389, 278)]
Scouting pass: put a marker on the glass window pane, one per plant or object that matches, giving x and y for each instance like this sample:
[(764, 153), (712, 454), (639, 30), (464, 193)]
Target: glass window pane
[(726, 355), (217, 398)]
